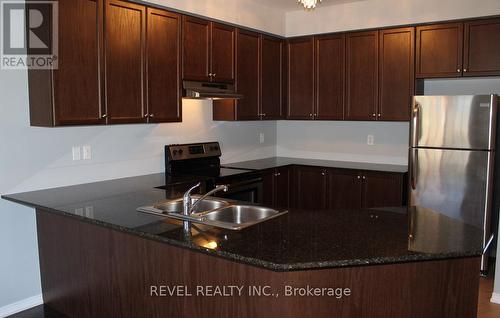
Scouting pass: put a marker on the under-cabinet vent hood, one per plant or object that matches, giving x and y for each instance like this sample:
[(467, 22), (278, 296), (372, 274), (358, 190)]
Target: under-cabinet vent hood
[(208, 90)]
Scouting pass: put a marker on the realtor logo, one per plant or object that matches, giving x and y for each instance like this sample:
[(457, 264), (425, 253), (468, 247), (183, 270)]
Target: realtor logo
[(29, 34)]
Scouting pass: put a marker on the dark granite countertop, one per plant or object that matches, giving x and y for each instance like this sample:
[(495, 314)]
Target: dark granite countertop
[(274, 162), (299, 240)]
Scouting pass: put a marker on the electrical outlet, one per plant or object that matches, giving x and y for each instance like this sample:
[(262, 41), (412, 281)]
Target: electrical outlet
[(370, 140), (87, 152), (261, 138), (76, 153)]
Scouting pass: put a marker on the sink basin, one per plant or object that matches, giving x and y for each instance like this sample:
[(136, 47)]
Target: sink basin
[(175, 206), (215, 212), (241, 215)]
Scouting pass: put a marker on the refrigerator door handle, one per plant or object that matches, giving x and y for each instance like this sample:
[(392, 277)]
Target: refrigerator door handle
[(488, 244), (416, 123), (414, 168)]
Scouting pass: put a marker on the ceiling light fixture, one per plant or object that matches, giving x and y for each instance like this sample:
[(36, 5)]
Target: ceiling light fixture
[(309, 4)]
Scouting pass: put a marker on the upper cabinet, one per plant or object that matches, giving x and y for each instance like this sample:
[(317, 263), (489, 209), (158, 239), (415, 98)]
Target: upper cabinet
[(125, 40), (272, 74), (482, 48), (439, 50), (330, 72), (71, 94), (163, 66), (396, 73), (362, 75), (300, 78), (208, 50), (459, 49), (259, 73)]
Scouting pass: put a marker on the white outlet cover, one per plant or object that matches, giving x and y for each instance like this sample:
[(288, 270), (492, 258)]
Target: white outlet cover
[(76, 153), (261, 138), (370, 140)]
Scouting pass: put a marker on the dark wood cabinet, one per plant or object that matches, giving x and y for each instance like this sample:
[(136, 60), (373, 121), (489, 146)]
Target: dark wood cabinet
[(330, 71), (125, 40), (71, 94), (310, 188), (276, 187), (382, 189), (439, 50), (248, 75), (163, 66), (300, 81), (222, 52), (482, 48), (396, 73), (362, 75), (345, 189), (195, 49), (271, 85), (208, 50)]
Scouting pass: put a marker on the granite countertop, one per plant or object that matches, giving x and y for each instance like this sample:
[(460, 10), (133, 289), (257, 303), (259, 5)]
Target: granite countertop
[(299, 240), (275, 162)]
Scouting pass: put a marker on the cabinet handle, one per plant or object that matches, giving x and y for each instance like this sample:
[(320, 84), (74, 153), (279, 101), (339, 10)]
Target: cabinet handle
[(146, 115), (214, 75), (210, 74), (104, 116), (263, 115), (323, 173), (151, 115), (359, 177), (458, 71), (311, 115), (379, 115), (465, 70), (374, 115), (278, 174), (364, 177)]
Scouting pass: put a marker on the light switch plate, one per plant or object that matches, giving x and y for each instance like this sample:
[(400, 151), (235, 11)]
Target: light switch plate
[(370, 140), (87, 152)]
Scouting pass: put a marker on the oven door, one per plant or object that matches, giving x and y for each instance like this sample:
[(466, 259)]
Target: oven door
[(246, 190)]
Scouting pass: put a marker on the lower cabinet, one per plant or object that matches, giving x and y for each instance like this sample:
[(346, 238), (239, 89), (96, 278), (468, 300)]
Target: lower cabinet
[(325, 188), (277, 187), (310, 188)]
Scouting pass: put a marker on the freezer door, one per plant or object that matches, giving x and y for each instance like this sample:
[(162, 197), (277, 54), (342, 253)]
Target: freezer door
[(455, 122), (456, 183)]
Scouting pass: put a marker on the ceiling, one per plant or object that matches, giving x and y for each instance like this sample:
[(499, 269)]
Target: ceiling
[(290, 5)]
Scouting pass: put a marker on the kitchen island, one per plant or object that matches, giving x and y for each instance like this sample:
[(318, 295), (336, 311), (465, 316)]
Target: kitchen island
[(99, 257)]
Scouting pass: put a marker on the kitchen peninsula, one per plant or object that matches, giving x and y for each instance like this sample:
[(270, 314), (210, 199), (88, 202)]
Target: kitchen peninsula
[(99, 257)]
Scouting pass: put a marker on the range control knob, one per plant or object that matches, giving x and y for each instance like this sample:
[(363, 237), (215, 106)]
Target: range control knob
[(174, 152), (180, 151)]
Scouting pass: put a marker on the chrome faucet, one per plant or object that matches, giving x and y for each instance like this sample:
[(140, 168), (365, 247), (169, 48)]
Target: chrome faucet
[(186, 199)]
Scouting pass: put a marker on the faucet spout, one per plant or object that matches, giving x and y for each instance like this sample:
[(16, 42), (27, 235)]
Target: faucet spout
[(217, 189)]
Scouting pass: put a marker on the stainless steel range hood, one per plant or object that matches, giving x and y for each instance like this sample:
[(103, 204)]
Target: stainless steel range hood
[(208, 90)]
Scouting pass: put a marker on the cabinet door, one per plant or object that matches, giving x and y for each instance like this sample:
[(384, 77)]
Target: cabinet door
[(439, 50), (77, 81), (195, 49), (362, 75), (164, 46), (301, 78), (482, 48), (396, 73), (125, 61), (344, 189), (222, 53), (310, 188), (268, 187), (382, 189), (330, 55), (248, 77), (282, 188), (271, 78)]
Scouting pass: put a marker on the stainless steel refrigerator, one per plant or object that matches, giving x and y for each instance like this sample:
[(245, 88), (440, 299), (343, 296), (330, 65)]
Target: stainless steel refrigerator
[(452, 155)]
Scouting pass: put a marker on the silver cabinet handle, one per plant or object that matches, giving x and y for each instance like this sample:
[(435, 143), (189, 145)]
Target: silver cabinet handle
[(146, 115), (263, 114), (465, 70), (379, 115), (311, 115), (374, 115), (104, 116), (359, 177), (214, 75), (151, 115), (458, 71), (364, 177)]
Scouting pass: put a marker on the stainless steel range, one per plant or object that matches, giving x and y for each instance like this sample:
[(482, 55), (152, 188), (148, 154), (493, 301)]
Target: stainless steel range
[(201, 162)]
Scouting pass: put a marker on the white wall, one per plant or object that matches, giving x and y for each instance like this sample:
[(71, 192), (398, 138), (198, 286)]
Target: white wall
[(345, 141), (241, 12), (378, 13)]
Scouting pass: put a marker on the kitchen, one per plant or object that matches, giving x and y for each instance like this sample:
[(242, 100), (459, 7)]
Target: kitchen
[(41, 158)]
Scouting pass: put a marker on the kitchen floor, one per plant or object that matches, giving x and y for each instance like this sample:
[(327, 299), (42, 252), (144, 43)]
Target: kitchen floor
[(486, 309)]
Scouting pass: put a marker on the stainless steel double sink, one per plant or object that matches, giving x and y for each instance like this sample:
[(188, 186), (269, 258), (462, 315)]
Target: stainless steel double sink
[(215, 212)]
